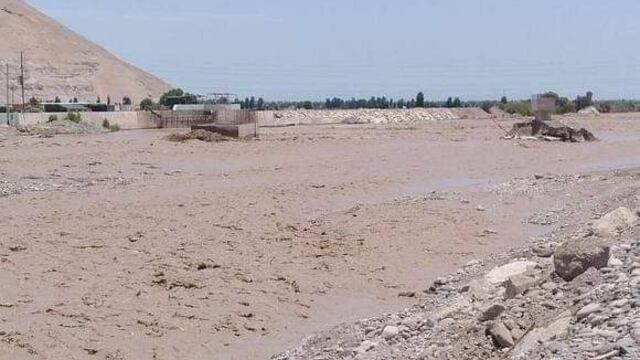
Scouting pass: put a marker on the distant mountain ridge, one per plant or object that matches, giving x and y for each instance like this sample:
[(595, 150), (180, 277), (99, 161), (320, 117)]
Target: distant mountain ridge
[(59, 62)]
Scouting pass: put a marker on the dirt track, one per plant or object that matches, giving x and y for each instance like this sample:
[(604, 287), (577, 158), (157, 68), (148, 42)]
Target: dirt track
[(125, 246)]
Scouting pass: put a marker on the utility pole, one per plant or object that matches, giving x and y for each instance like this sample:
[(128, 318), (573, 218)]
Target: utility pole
[(22, 80), (7, 104)]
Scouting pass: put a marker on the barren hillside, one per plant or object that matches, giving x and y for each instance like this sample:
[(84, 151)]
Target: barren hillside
[(59, 62)]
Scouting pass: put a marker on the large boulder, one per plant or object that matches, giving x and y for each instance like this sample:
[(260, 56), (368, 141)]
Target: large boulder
[(616, 222), (574, 257)]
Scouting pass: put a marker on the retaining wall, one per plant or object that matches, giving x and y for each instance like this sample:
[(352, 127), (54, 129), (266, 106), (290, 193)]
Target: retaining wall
[(126, 120)]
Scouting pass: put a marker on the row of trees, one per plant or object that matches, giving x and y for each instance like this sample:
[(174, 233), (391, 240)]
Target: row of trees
[(563, 104), (338, 103)]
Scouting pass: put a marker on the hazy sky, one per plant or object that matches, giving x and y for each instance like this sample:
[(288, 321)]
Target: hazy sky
[(299, 49)]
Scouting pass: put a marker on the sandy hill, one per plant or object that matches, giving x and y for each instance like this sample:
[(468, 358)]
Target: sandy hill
[(59, 62)]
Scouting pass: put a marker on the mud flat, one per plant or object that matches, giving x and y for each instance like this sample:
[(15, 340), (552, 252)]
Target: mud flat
[(127, 246)]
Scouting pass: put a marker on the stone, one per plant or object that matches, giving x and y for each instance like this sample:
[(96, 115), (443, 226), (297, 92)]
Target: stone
[(478, 289), (366, 346), (615, 262), (543, 251), (492, 312), (588, 310), (390, 332), (501, 274), (540, 335), (616, 222), (620, 303), (500, 335), (574, 257), (518, 285)]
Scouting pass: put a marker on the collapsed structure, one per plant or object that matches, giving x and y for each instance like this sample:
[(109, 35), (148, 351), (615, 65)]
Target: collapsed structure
[(543, 107)]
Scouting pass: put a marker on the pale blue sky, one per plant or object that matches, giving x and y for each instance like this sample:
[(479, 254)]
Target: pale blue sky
[(297, 49)]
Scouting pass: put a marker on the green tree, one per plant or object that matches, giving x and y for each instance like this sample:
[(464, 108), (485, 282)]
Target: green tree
[(108, 100), (420, 99), (584, 101), (457, 103), (126, 100), (260, 103), (147, 104), (98, 100), (449, 102), (173, 93), (504, 100), (57, 100)]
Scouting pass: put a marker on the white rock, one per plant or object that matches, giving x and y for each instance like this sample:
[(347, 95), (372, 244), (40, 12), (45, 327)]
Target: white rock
[(540, 335), (615, 262), (616, 222), (501, 274), (588, 310), (390, 332)]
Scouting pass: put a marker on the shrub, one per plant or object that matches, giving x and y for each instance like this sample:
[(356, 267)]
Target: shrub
[(53, 118), (114, 128), (519, 107), (147, 104), (74, 116), (105, 124)]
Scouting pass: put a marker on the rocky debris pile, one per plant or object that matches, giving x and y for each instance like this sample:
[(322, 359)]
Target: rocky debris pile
[(577, 300), (202, 135), (61, 127), (537, 184), (35, 184), (540, 130), (379, 116)]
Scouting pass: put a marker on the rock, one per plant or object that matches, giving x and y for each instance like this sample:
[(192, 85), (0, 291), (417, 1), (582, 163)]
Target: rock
[(614, 262), (518, 284), (472, 263), (492, 312), (408, 294), (543, 251), (478, 289), (366, 345), (620, 303), (616, 222), (501, 274), (574, 257), (390, 332), (480, 208), (500, 335), (541, 335), (588, 310)]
